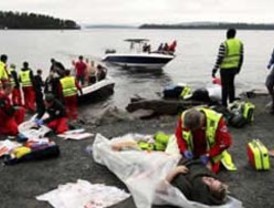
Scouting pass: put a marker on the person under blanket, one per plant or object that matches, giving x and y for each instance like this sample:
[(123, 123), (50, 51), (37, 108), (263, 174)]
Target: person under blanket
[(191, 177), (198, 183)]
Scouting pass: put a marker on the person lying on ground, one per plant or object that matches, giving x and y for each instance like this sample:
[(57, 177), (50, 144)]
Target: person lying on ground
[(198, 183), (193, 179), (57, 119)]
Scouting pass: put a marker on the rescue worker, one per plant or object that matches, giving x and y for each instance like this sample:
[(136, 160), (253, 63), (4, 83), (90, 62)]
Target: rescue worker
[(16, 93), (229, 60), (202, 133), (27, 80), (10, 116), (38, 85), (57, 119), (70, 87), (3, 69)]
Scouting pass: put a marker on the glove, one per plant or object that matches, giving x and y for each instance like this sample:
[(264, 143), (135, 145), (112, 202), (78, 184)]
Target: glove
[(204, 159), (187, 154), (39, 122), (214, 71)]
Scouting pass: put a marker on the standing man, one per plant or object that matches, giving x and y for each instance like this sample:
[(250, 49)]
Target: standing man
[(269, 83), (16, 93), (202, 134), (57, 67), (70, 87), (81, 70), (27, 80), (38, 85), (229, 60)]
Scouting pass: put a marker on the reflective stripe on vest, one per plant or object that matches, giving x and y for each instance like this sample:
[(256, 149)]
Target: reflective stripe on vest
[(185, 92), (12, 81), (233, 53), (212, 121), (68, 86), (25, 78)]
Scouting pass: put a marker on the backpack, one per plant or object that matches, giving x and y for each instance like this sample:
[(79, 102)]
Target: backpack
[(244, 108)]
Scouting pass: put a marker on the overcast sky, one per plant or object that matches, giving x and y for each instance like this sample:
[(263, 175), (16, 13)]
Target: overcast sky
[(147, 11)]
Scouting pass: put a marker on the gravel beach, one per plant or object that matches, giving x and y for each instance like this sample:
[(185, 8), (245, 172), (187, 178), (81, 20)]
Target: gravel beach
[(22, 182)]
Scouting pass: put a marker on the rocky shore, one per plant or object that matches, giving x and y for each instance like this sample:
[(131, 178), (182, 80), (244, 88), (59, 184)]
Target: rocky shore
[(22, 182)]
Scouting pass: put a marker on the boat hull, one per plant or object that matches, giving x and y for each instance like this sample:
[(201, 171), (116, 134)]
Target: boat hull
[(149, 61), (97, 91)]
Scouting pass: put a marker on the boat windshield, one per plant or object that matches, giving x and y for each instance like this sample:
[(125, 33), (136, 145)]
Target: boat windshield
[(136, 45)]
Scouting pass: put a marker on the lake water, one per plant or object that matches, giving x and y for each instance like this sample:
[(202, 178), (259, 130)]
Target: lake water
[(195, 55)]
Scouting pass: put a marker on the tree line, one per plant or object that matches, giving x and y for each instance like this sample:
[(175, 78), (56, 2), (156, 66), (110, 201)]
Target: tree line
[(243, 26), (17, 20)]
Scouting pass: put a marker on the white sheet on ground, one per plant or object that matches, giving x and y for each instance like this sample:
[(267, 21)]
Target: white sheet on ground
[(83, 194), (30, 129), (76, 136), (144, 172)]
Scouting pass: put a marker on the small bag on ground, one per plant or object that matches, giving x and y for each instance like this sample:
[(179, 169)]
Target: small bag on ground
[(258, 155)]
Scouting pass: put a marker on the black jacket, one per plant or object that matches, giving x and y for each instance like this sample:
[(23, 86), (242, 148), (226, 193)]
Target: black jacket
[(55, 111), (191, 184)]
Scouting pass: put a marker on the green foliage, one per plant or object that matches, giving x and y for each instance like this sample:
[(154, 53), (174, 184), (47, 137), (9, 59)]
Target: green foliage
[(17, 20)]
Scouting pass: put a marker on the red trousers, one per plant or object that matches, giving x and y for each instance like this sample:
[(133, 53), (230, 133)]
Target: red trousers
[(10, 125), (59, 125), (29, 98), (71, 107), (16, 97)]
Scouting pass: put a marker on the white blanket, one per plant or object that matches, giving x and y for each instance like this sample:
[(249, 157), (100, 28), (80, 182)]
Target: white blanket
[(83, 195), (144, 173), (30, 130)]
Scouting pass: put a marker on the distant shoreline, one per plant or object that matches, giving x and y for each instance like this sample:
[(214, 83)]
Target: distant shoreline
[(209, 26)]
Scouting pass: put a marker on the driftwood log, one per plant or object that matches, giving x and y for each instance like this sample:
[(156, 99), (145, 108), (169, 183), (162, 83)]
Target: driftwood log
[(162, 107)]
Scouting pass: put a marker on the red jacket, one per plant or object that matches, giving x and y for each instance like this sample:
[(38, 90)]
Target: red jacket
[(223, 140), (6, 108)]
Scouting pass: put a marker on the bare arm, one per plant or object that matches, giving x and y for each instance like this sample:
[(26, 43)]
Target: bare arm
[(179, 169), (118, 146)]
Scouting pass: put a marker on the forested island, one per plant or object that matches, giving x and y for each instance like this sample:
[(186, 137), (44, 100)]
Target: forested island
[(17, 20), (209, 25)]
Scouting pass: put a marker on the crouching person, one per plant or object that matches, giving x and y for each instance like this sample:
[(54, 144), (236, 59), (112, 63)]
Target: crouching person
[(57, 119), (10, 116), (202, 134)]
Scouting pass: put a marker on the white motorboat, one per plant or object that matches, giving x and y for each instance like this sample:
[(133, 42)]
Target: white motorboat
[(97, 91), (136, 58)]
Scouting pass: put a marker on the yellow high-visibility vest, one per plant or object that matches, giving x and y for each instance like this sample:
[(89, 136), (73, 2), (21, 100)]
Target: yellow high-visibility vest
[(25, 78), (68, 86), (3, 72), (212, 121), (12, 81), (233, 53)]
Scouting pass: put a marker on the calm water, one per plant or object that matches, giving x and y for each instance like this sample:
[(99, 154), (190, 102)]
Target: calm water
[(196, 55)]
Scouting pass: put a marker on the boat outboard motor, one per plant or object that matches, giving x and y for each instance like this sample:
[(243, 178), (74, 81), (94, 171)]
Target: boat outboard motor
[(110, 51)]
